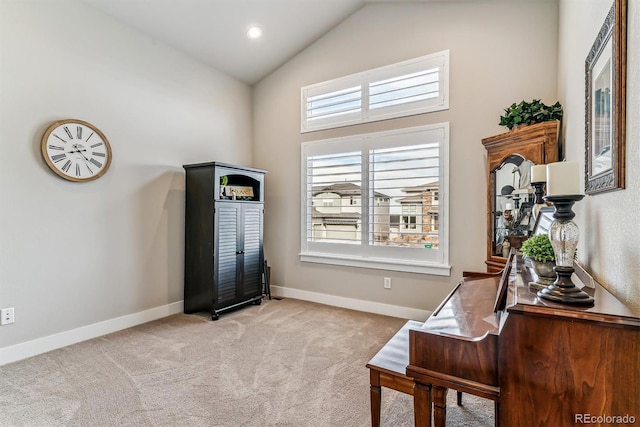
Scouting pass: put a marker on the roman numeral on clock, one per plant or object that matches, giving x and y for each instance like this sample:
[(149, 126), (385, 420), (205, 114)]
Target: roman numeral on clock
[(79, 132), (99, 154), (77, 169), (66, 129), (66, 166), (58, 157), (97, 144), (59, 138), (89, 137), (55, 147), (95, 162)]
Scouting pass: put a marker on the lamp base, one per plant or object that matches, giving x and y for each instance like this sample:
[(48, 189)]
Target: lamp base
[(564, 291)]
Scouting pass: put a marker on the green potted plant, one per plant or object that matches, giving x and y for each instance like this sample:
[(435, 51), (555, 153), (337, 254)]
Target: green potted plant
[(539, 250), (528, 113), (538, 247)]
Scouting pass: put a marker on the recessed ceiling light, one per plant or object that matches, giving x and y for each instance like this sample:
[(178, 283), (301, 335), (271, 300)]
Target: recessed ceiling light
[(254, 33)]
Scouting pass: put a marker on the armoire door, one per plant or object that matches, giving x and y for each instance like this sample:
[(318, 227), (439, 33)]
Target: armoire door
[(251, 248), (226, 260)]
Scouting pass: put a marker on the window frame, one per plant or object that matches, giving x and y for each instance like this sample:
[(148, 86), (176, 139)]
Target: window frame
[(439, 60), (385, 258)]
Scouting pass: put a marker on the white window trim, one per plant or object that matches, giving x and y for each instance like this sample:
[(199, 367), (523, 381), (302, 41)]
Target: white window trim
[(438, 59), (390, 264), (441, 268)]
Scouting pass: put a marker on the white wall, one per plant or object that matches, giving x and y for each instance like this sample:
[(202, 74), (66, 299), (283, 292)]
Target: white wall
[(609, 223), (75, 254), (501, 51)]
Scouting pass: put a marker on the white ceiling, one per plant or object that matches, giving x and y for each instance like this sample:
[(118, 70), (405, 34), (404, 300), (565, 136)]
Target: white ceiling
[(214, 31)]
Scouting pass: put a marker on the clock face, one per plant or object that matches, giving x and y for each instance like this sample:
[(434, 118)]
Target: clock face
[(76, 150)]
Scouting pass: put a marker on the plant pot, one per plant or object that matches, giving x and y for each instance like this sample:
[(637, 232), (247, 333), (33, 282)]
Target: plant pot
[(544, 272)]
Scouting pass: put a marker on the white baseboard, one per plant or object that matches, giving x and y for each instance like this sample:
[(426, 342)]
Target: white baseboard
[(52, 342), (42, 345), (352, 303)]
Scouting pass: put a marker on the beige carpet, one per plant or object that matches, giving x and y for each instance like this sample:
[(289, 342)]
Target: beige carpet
[(283, 363)]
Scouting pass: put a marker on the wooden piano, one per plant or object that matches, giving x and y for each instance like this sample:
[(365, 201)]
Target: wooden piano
[(543, 364)]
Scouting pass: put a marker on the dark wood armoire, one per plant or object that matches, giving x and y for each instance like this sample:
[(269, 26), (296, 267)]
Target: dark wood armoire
[(224, 258)]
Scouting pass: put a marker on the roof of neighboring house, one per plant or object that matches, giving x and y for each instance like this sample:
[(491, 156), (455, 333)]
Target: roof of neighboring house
[(316, 214), (411, 199), (336, 218), (429, 185), (342, 189)]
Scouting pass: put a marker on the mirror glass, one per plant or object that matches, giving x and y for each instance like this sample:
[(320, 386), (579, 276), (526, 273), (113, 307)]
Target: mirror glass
[(512, 204)]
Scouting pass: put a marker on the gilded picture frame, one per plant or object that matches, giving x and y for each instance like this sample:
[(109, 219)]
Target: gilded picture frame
[(605, 100)]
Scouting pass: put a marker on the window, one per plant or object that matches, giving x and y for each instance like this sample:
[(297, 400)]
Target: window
[(390, 200), (415, 86), (409, 217)]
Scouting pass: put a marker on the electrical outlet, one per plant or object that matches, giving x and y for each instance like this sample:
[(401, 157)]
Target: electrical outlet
[(387, 282), (6, 316)]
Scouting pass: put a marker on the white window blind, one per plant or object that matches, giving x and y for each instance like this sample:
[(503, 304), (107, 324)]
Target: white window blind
[(399, 182), (410, 87), (334, 179), (337, 105)]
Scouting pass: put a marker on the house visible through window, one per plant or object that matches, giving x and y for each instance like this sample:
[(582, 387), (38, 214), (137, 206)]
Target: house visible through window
[(388, 200)]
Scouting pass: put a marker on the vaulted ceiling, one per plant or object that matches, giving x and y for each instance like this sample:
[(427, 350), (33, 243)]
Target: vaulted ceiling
[(215, 31)]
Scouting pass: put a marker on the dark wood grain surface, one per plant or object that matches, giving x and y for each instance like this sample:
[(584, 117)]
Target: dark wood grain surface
[(559, 362), (460, 339), (545, 364)]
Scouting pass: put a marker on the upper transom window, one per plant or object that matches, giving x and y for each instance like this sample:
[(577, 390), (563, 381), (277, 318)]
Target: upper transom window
[(416, 86)]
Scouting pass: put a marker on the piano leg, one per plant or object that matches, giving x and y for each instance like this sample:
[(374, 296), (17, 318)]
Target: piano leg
[(422, 404), (376, 397), (439, 395)]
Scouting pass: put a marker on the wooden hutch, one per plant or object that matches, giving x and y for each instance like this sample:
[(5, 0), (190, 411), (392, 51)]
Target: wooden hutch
[(534, 144)]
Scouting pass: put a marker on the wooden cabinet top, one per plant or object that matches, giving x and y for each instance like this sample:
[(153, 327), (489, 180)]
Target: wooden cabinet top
[(607, 308), (525, 134), (224, 165)]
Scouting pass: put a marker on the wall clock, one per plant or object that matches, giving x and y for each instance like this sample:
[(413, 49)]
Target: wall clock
[(76, 150)]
